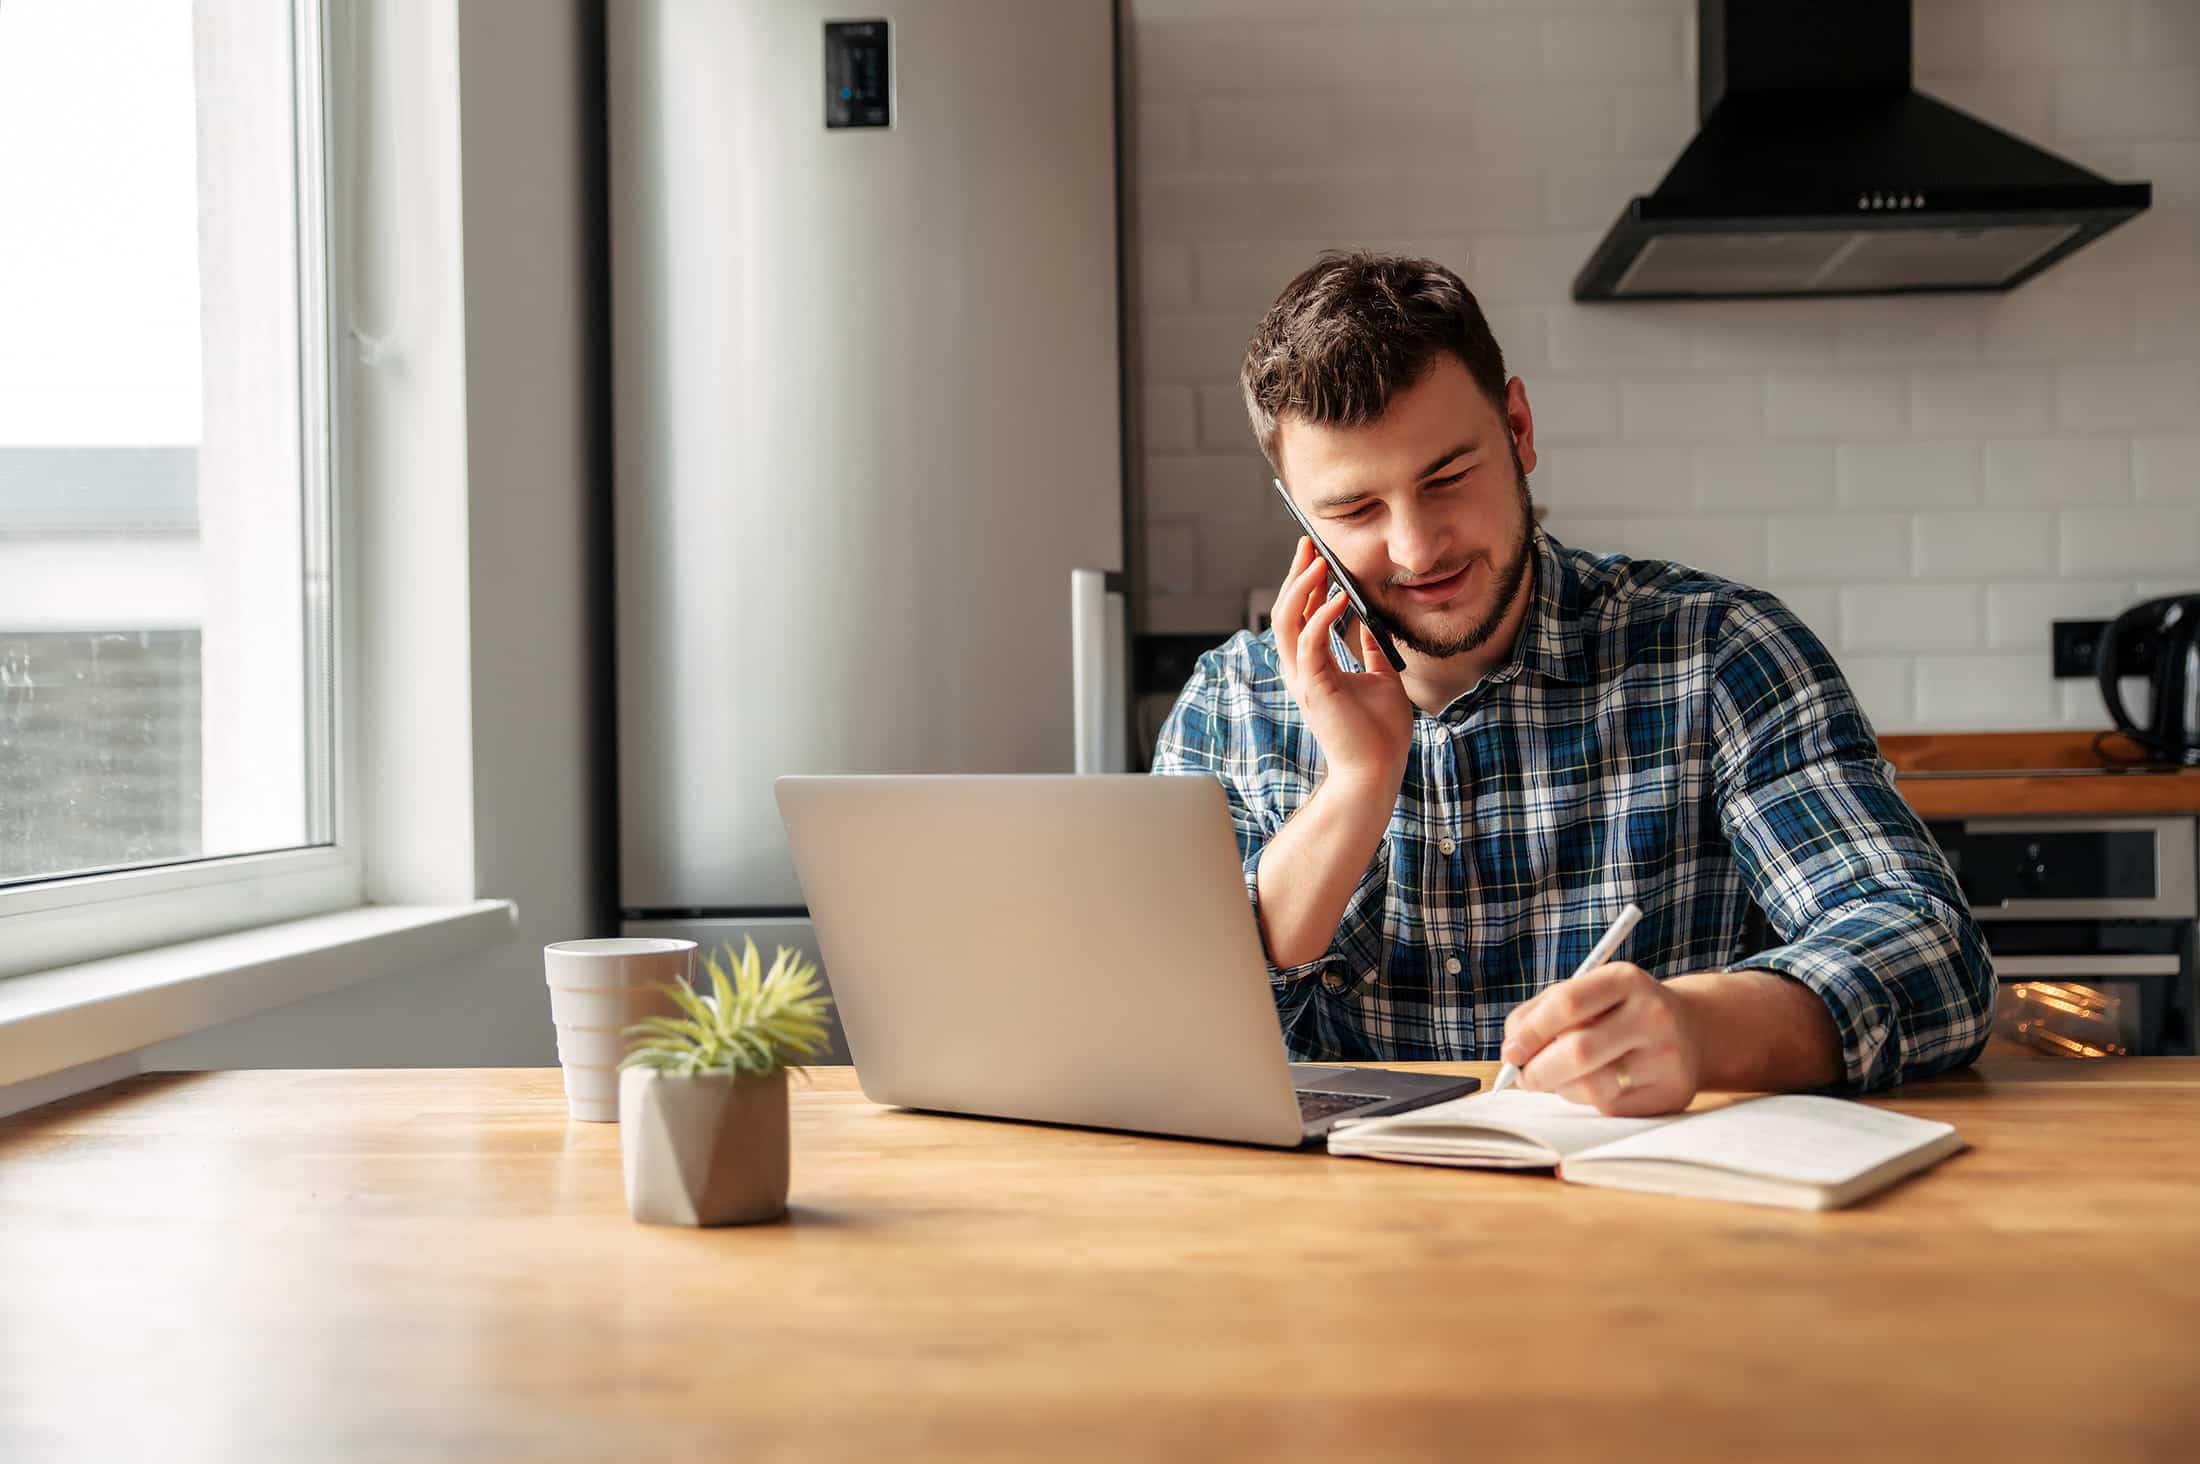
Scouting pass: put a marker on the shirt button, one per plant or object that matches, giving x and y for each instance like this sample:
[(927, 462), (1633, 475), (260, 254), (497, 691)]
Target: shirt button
[(1447, 845), (1452, 965), (1332, 980)]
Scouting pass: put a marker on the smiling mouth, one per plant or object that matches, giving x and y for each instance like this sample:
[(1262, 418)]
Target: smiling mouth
[(1431, 592)]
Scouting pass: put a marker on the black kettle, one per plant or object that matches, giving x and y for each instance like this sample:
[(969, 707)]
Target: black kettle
[(2165, 634)]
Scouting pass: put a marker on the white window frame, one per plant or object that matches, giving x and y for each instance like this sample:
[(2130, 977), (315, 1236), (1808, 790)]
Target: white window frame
[(74, 919)]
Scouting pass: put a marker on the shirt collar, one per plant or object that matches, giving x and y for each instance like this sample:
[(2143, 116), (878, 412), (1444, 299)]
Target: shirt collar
[(1551, 638)]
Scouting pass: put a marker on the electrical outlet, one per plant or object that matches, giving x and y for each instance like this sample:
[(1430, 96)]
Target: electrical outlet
[(2077, 642), (2074, 642)]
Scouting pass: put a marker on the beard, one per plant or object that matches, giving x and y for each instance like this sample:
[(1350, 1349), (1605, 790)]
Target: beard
[(1510, 576)]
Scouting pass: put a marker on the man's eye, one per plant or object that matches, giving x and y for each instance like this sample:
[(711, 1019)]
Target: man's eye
[(1356, 515), (1458, 477)]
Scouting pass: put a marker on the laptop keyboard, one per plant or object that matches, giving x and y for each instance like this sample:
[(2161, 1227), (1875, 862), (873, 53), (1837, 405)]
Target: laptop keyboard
[(1320, 1103)]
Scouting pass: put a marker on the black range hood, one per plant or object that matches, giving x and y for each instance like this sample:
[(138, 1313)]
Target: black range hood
[(1818, 171)]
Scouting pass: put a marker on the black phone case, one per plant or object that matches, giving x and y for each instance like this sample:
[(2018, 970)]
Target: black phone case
[(1343, 581)]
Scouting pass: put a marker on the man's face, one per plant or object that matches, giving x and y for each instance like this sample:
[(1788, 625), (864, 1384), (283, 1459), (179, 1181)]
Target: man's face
[(1427, 506)]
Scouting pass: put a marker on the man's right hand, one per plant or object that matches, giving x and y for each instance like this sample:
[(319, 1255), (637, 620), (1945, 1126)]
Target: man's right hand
[(1362, 720)]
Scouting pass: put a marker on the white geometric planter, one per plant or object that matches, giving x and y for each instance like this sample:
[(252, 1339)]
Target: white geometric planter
[(707, 1149)]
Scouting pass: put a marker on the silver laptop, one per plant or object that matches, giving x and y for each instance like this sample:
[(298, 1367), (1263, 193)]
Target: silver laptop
[(1064, 949)]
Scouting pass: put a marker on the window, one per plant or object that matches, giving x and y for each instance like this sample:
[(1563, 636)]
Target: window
[(168, 689)]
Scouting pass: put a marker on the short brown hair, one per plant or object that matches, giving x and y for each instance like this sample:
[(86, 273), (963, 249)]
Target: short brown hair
[(1354, 330)]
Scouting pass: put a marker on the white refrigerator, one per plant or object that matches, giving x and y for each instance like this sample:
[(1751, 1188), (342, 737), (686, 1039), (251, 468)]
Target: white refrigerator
[(867, 413)]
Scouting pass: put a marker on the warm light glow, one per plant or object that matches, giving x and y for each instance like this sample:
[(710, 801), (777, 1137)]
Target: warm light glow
[(2057, 1003), (2056, 1042)]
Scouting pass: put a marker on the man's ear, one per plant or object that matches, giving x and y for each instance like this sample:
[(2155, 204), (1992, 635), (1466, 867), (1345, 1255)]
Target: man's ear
[(1520, 422)]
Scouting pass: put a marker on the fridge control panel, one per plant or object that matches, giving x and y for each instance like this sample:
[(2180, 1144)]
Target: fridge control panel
[(858, 74)]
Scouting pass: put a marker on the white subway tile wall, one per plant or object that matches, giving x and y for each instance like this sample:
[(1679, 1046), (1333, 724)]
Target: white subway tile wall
[(1927, 481), (2169, 467)]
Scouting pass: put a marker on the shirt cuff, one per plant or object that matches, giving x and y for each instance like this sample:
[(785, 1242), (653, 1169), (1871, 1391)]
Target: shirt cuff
[(1863, 1013), (1279, 975)]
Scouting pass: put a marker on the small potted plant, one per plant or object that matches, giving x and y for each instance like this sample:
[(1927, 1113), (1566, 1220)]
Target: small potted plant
[(703, 1095)]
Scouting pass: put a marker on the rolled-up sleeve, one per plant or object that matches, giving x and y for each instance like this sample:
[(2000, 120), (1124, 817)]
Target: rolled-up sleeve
[(1867, 910)]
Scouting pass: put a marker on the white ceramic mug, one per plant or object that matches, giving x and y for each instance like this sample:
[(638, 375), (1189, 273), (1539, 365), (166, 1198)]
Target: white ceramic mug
[(599, 988)]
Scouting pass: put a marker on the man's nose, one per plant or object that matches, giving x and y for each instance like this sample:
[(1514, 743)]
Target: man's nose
[(1416, 542)]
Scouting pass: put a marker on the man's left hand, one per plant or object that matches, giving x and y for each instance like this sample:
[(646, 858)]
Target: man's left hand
[(1615, 1039)]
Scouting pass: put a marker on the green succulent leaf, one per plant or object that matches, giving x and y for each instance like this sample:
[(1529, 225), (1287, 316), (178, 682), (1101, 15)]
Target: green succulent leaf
[(669, 1027), (752, 1021)]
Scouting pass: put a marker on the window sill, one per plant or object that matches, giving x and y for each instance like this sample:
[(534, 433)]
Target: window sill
[(61, 1018)]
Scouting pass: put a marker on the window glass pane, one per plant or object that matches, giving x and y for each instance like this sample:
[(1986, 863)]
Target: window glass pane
[(156, 698)]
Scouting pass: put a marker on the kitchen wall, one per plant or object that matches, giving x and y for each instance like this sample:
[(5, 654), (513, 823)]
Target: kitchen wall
[(1927, 480)]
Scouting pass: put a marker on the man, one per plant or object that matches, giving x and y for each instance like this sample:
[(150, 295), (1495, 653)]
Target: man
[(1429, 853)]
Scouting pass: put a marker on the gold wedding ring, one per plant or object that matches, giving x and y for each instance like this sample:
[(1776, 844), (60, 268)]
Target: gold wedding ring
[(1619, 1072)]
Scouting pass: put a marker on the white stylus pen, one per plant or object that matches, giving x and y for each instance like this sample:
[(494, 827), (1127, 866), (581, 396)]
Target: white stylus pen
[(1598, 955)]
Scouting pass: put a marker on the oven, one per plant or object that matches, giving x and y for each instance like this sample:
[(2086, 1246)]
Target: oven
[(2091, 924)]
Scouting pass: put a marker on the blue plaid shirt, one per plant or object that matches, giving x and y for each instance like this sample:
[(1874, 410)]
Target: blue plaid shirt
[(1659, 735)]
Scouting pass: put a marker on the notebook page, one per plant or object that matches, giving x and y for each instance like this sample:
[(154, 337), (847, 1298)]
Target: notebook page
[(1544, 1118), (1799, 1137)]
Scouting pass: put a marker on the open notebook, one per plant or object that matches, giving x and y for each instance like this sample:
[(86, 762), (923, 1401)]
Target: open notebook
[(1807, 1152)]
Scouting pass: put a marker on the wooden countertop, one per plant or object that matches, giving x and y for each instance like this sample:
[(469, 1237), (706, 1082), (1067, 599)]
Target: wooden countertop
[(1989, 774), (420, 1264)]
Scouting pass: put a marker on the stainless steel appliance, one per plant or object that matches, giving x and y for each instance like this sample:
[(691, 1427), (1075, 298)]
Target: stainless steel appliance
[(868, 415), (2165, 635), (2091, 924)]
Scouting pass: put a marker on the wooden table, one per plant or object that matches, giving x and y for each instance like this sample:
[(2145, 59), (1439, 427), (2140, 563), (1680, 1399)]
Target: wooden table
[(417, 1264)]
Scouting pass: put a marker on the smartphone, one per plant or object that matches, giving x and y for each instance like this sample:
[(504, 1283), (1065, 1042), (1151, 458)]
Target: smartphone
[(1343, 581)]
